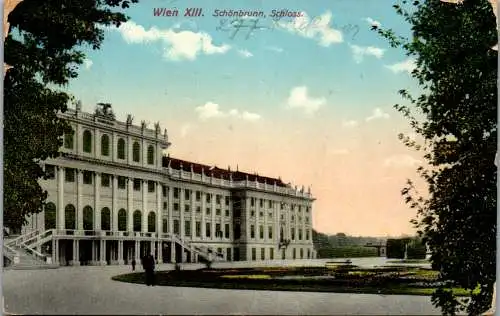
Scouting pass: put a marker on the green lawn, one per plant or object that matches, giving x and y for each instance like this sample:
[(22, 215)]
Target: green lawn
[(370, 281)]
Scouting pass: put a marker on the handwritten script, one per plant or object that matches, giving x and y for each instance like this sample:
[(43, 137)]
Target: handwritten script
[(247, 27)]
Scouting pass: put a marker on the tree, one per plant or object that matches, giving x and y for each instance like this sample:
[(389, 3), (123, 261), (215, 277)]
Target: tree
[(44, 48), (457, 72)]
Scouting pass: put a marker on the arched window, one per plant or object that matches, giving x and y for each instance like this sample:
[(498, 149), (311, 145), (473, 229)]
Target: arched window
[(88, 218), (105, 219), (151, 222), (122, 220), (50, 216), (69, 217), (136, 152), (151, 155), (87, 141), (69, 139), (105, 145), (121, 148), (137, 221)]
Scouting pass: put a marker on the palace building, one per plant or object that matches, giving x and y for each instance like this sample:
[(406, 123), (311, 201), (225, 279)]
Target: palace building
[(115, 195)]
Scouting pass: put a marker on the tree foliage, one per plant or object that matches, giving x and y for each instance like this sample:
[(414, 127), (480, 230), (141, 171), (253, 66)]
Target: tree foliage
[(44, 46), (457, 72)]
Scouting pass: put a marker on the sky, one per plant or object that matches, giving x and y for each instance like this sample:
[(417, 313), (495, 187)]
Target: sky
[(308, 98)]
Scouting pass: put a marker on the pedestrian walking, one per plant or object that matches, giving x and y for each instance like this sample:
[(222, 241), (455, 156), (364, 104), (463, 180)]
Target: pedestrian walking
[(133, 264), (149, 267)]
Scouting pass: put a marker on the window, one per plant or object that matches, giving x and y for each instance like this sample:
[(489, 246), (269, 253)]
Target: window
[(294, 253), (261, 214), (121, 149), (122, 220), (164, 190), (151, 155), (252, 213), (293, 234), (207, 230), (136, 152), (237, 231), (50, 216), (271, 253), (198, 196), (270, 232), (198, 209), (228, 254), (105, 180), (261, 232), (151, 186), (50, 171), (176, 193), (261, 203), (300, 234), (307, 209), (307, 234), (208, 211), (217, 212), (217, 199), (137, 184), (198, 229), (105, 145), (208, 197), (227, 213), (87, 141), (105, 219), (69, 217), (122, 182), (252, 231), (187, 228), (218, 232), (176, 206), (69, 175), (226, 200), (165, 225), (165, 205), (262, 253), (270, 204), (187, 194), (151, 222), (226, 231), (301, 253), (186, 208), (137, 221), (176, 226), (271, 215), (87, 177), (252, 201), (69, 139), (254, 254)]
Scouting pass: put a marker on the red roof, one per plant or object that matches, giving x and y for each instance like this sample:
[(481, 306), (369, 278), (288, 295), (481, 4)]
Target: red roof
[(219, 173)]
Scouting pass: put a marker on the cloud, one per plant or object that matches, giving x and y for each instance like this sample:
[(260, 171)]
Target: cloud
[(244, 53), (318, 28), (407, 65), (377, 114), (350, 123), (359, 52), (401, 161), (87, 63), (179, 45), (211, 110), (275, 49), (373, 22), (299, 98)]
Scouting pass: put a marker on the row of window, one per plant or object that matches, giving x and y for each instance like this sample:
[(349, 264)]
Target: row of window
[(208, 229), (271, 253), (50, 218), (270, 232), (105, 147)]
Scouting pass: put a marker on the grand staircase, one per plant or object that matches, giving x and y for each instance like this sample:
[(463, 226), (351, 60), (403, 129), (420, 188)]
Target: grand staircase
[(20, 252)]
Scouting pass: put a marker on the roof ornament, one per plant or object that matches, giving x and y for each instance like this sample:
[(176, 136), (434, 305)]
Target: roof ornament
[(165, 134), (157, 128), (104, 110), (143, 124), (129, 119)]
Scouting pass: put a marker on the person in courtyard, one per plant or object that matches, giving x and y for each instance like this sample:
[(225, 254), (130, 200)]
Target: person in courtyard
[(133, 264), (149, 266)]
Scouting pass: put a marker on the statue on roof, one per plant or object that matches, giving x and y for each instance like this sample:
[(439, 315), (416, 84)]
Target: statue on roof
[(129, 119), (165, 134), (157, 128), (144, 124), (104, 110)]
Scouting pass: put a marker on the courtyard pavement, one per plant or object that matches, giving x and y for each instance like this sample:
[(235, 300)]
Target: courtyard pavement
[(90, 290)]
